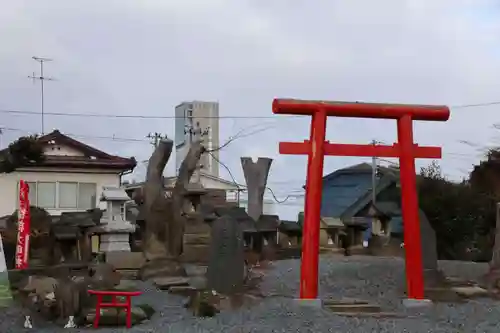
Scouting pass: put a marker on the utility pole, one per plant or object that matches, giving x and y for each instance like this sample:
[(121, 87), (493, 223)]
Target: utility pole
[(1, 138), (196, 134), (374, 175), (156, 138), (42, 78)]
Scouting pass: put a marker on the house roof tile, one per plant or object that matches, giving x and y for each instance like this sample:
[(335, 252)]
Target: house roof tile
[(92, 157), (114, 194)]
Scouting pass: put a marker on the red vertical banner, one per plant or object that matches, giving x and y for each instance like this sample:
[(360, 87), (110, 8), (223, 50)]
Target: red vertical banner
[(23, 227)]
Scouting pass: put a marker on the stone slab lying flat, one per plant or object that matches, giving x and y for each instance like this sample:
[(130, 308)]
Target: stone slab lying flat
[(447, 295), (129, 273), (353, 308), (182, 290), (165, 283), (471, 292), (458, 282), (343, 301), (380, 315), (416, 303)]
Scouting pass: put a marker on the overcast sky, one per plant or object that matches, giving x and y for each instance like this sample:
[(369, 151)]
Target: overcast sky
[(131, 57)]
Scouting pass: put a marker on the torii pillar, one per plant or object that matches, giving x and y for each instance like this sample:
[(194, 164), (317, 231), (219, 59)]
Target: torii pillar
[(316, 148)]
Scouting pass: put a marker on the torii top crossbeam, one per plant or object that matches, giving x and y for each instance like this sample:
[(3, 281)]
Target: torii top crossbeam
[(361, 110), (317, 147)]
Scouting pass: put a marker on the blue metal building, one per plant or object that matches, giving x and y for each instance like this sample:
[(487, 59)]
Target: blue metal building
[(347, 195)]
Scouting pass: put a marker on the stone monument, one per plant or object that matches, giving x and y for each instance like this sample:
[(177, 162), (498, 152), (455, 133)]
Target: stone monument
[(256, 174), (492, 278), (495, 257), (433, 277), (5, 293), (226, 267), (114, 229)]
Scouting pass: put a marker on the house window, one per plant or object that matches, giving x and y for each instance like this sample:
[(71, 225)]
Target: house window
[(68, 195), (32, 193), (77, 195), (62, 195), (45, 194), (86, 195)]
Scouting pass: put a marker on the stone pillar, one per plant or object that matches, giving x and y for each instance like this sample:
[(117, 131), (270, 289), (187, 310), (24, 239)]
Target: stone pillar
[(115, 236), (115, 242), (495, 258), (256, 178)]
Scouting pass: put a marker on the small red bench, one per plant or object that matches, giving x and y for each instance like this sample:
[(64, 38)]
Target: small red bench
[(114, 303)]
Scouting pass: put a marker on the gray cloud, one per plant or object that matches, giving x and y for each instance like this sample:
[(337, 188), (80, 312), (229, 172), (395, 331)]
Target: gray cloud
[(143, 57)]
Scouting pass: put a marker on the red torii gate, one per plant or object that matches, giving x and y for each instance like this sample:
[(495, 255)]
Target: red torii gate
[(316, 148)]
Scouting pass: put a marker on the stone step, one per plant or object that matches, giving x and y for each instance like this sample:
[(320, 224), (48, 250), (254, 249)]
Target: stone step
[(372, 314), (197, 239), (345, 300), (195, 254), (471, 291), (165, 283), (129, 274), (444, 294), (351, 306), (182, 290)]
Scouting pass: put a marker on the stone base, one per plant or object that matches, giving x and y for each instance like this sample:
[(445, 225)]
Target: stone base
[(310, 302), (114, 242), (412, 303), (125, 260), (161, 268), (195, 254), (351, 306)]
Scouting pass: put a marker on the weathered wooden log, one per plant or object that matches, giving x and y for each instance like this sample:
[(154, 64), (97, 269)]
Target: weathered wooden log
[(256, 178)]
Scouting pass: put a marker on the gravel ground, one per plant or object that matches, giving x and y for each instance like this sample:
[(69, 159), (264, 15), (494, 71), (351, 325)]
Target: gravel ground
[(377, 279)]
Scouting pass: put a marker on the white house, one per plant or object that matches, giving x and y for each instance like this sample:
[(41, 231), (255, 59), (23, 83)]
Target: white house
[(71, 177), (208, 182)]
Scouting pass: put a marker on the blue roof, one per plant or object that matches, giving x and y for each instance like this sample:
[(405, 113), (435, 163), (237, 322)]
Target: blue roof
[(343, 188), (348, 190)]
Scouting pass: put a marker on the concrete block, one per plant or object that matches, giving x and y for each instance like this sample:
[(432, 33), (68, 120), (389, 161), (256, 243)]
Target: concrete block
[(114, 242), (313, 302), (417, 303)]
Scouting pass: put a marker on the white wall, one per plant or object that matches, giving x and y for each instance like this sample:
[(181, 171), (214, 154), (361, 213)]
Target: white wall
[(8, 184), (269, 204), (287, 210), (180, 154), (210, 183)]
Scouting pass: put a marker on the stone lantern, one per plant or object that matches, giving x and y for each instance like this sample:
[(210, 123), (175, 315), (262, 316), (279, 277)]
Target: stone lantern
[(114, 229)]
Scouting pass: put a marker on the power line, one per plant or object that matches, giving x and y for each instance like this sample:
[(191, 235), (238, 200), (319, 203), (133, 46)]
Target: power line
[(230, 140), (463, 106), (96, 115), (276, 199), (238, 186), (227, 169), (137, 116)]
